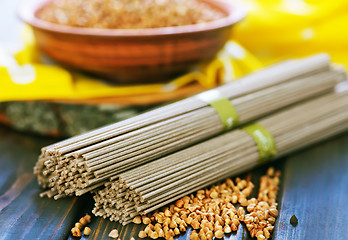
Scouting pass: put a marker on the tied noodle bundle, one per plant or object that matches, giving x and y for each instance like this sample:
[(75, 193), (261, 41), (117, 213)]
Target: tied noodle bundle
[(144, 189), (86, 162)]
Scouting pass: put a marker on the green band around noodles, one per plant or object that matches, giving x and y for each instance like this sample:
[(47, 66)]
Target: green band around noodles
[(222, 106), (264, 140)]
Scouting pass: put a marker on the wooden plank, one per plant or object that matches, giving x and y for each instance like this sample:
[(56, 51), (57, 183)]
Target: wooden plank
[(316, 191), (21, 209)]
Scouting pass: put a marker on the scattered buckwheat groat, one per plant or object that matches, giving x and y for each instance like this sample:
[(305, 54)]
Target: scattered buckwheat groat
[(113, 233), (76, 230), (212, 213), (263, 210), (87, 231)]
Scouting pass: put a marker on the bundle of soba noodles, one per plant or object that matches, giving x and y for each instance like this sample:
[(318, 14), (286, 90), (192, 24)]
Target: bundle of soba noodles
[(156, 184), (85, 162)]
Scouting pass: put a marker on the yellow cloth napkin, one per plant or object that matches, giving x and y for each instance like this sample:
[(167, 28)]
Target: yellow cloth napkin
[(275, 30), (24, 77), (272, 31)]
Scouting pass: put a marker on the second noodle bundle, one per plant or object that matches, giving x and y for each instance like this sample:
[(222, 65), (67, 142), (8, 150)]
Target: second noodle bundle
[(156, 184)]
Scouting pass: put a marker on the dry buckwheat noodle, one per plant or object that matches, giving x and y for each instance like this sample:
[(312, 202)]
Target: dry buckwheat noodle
[(156, 184), (88, 161)]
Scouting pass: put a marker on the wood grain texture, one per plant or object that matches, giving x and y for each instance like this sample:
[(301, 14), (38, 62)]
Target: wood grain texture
[(316, 191)]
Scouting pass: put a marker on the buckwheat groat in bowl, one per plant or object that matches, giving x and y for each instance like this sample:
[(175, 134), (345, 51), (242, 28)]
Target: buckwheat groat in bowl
[(131, 41)]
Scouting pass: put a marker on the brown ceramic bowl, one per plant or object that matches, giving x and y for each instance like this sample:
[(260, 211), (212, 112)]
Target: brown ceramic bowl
[(133, 55)]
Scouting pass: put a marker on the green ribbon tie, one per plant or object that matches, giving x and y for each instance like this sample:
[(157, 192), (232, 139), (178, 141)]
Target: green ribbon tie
[(264, 141), (223, 107)]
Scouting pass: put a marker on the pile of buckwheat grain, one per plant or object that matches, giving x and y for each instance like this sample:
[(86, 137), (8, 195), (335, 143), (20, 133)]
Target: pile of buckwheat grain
[(213, 212)]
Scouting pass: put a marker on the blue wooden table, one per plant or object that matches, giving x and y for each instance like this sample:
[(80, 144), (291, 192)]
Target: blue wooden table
[(313, 187)]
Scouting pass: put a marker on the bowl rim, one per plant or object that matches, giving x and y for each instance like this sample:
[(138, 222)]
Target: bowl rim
[(235, 12)]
